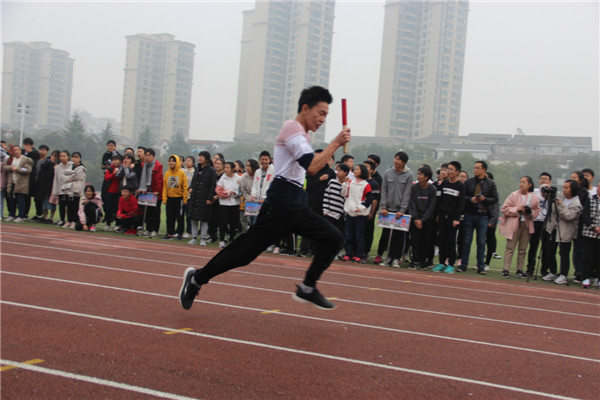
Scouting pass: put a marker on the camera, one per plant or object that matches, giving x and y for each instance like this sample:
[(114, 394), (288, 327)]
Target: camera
[(551, 190), (527, 210)]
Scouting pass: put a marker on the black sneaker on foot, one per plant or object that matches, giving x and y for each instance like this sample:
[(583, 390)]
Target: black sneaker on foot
[(482, 272), (461, 269), (188, 291), (315, 298), (520, 274), (505, 274)]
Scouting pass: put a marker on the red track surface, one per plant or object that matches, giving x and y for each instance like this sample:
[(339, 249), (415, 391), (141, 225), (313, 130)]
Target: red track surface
[(101, 316)]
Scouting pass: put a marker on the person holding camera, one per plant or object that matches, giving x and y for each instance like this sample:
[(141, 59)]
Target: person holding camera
[(519, 211), (563, 226)]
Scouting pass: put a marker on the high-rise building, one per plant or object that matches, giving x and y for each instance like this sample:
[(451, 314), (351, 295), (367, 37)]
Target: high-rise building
[(157, 92), (422, 60), (40, 77), (286, 47)]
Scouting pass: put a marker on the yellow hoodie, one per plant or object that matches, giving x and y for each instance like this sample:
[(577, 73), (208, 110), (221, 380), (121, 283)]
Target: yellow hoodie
[(175, 182)]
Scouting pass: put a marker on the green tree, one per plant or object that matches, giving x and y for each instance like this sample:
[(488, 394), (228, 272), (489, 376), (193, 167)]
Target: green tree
[(178, 145), (106, 134), (147, 138)]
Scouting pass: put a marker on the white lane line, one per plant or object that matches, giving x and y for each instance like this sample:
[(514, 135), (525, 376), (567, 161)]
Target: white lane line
[(345, 323), (371, 277), (367, 271), (94, 380), (417, 310), (242, 271), (301, 352)]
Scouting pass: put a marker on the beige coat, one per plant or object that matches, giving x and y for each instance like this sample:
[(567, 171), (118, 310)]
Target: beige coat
[(568, 220), (21, 184)]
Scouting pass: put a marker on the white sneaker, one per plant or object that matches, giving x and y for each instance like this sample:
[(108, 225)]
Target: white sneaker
[(395, 264), (186, 236), (221, 245), (561, 280), (192, 242), (107, 228), (595, 284), (9, 219), (585, 284), (145, 233), (549, 277), (270, 248), (18, 220), (202, 242), (116, 228), (276, 250), (153, 235)]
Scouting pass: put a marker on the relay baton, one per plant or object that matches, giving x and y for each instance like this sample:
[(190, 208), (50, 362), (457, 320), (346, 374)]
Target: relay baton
[(344, 123)]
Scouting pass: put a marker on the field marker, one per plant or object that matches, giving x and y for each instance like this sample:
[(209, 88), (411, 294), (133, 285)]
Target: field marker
[(30, 362), (270, 311), (177, 331)]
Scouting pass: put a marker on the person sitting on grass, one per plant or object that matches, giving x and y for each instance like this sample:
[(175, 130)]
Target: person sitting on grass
[(90, 210), (129, 215)]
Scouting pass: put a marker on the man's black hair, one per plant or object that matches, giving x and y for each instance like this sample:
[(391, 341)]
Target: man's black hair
[(370, 164), (426, 170), (141, 147), (402, 156), (456, 165), (376, 159), (346, 157), (117, 157), (45, 147), (483, 164), (264, 153), (546, 174), (28, 141), (151, 151), (111, 142), (589, 171), (343, 167), (312, 96)]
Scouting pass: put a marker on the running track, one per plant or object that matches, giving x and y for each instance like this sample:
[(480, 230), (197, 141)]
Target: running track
[(97, 316)]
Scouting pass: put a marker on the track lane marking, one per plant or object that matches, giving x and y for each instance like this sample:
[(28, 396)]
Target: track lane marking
[(367, 270), (328, 320), (94, 380), (300, 352), (240, 271), (28, 362)]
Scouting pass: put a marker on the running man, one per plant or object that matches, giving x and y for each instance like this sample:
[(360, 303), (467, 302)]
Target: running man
[(285, 209)]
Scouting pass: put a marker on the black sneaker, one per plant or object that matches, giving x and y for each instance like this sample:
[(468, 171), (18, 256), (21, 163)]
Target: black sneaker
[(505, 274), (461, 269), (481, 272), (315, 298), (520, 274), (188, 291)]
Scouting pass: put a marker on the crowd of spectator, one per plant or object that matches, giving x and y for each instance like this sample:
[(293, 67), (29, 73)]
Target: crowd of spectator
[(208, 199)]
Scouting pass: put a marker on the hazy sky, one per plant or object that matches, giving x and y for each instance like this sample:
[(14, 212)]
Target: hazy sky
[(530, 65)]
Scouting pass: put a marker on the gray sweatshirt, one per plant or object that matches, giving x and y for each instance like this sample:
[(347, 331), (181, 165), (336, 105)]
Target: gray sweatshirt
[(395, 190)]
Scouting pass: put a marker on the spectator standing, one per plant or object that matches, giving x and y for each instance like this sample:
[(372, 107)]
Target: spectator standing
[(190, 171), (562, 226), (228, 190), (214, 223), (151, 181), (491, 243), (174, 197), (540, 235), (76, 178), (107, 157), (201, 197), (395, 196), (448, 209), (18, 168), (112, 191), (519, 210), (333, 201), (246, 187), (357, 206), (591, 237), (480, 194), (370, 221), (29, 151), (422, 210), (35, 185), (127, 174), (44, 181), (578, 247)]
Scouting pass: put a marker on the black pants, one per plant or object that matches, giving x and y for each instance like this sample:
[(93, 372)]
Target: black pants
[(422, 243), (369, 232), (153, 217), (539, 236), (92, 214), (564, 251), (592, 255), (229, 220), (397, 244), (340, 224), (174, 209), (111, 207), (68, 207), (213, 221), (129, 223), (447, 240), (272, 225), (491, 243)]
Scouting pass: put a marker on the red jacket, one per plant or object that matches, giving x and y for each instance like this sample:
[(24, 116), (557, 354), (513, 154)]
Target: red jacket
[(156, 184), (111, 176), (128, 208)]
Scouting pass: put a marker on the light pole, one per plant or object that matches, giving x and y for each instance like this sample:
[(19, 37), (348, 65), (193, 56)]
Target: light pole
[(22, 109)]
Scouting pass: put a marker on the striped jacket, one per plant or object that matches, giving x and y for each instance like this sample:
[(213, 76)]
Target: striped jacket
[(591, 217), (333, 201)]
